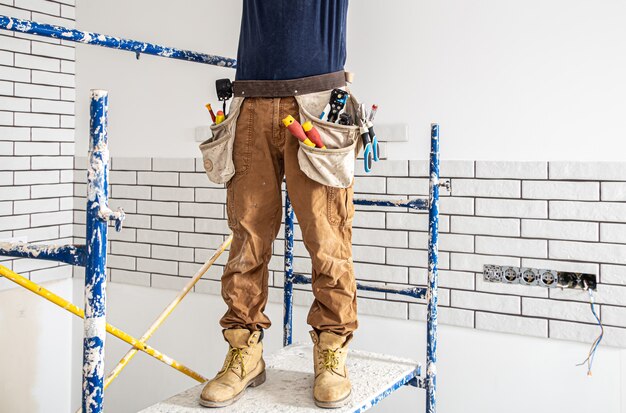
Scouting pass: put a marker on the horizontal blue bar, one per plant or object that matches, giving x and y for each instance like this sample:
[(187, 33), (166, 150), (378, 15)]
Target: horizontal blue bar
[(416, 203), (415, 292), (68, 254), (64, 33)]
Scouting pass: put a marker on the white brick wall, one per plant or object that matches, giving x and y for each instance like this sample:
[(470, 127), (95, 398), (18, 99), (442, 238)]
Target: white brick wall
[(570, 230), (516, 170), (504, 213), (578, 191), (36, 105), (485, 226), (511, 208), (512, 324), (588, 171), (613, 274), (488, 302), (613, 191), (588, 211), (492, 188), (512, 246), (562, 310), (582, 251)]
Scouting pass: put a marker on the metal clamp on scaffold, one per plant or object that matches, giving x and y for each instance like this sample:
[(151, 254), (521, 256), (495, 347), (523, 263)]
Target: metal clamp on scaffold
[(446, 184), (106, 214)]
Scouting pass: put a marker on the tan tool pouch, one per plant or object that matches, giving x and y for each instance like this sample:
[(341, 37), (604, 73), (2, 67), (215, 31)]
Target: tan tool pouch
[(333, 166), (217, 152)]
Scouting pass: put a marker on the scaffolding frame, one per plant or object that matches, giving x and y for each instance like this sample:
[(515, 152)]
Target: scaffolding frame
[(93, 254)]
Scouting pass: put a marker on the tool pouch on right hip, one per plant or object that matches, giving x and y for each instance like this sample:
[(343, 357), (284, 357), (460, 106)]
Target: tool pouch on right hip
[(217, 152), (333, 166)]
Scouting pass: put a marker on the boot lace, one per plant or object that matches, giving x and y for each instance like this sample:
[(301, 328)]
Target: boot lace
[(329, 359), (234, 357)]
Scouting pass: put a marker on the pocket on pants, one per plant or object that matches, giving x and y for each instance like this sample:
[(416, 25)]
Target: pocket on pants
[(230, 206), (333, 166), (339, 205), (217, 152)]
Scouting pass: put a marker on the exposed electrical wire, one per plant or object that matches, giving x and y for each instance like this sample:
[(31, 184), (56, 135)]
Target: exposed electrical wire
[(596, 343)]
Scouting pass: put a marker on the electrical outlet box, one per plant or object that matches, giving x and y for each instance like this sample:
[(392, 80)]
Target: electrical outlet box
[(589, 281), (529, 276), (548, 278), (577, 280), (539, 277), (492, 273), (510, 275)]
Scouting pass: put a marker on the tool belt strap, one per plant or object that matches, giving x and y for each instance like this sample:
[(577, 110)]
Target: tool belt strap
[(291, 87)]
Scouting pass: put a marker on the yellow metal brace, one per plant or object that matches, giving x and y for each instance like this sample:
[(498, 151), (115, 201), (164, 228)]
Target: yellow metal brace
[(168, 310), (138, 345), (72, 308)]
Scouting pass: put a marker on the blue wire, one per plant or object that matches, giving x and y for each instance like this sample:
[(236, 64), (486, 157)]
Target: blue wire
[(596, 343)]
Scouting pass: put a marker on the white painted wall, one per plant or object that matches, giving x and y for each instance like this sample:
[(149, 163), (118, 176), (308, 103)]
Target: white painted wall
[(507, 80), (623, 396), (478, 371), (155, 103), (35, 351)]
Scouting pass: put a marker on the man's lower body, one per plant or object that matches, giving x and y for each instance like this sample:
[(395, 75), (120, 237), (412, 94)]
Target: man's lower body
[(264, 153)]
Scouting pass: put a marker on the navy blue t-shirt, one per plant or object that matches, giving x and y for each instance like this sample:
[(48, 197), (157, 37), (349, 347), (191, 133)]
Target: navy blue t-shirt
[(290, 39)]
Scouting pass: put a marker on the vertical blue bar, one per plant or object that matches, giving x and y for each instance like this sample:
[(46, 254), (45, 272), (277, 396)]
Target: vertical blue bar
[(288, 286), (433, 258), (95, 269)]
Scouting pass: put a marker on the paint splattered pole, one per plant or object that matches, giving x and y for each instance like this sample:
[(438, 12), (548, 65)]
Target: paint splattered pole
[(73, 35), (95, 270), (433, 257), (288, 312)]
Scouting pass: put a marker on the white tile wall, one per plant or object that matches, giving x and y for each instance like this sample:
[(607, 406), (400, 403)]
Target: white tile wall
[(569, 230), (512, 324), (515, 170), (485, 226), (578, 191), (492, 188), (35, 181), (180, 218)]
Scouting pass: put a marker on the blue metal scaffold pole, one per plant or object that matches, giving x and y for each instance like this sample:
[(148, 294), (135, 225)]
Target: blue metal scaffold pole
[(95, 270), (288, 310), (112, 42), (433, 263)]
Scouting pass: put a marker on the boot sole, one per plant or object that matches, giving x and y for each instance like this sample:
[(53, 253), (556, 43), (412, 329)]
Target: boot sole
[(257, 381), (334, 404)]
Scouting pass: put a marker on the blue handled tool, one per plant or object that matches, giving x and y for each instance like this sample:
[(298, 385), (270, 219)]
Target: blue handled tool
[(368, 155), (370, 127)]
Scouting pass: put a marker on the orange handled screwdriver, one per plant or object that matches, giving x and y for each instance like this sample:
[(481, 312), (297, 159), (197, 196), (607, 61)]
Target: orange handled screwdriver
[(210, 109), (296, 130), (313, 134)]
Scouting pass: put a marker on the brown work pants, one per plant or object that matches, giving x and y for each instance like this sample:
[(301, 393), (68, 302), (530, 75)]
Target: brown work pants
[(264, 152)]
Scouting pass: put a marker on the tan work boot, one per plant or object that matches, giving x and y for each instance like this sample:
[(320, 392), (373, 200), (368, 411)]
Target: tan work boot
[(243, 367), (332, 387)]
